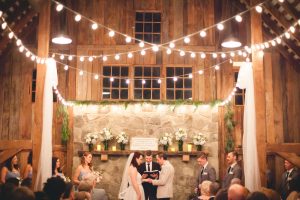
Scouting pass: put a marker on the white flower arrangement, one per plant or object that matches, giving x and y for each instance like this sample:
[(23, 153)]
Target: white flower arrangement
[(91, 138), (181, 135), (166, 139), (106, 134), (199, 139), (98, 175), (122, 138)]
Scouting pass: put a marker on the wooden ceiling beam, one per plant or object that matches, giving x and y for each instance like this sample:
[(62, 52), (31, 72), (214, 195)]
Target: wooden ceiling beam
[(270, 23), (17, 28), (284, 147), (283, 51), (281, 20), (291, 157), (291, 10)]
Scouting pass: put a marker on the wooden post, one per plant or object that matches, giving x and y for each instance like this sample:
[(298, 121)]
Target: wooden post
[(42, 51), (259, 92)]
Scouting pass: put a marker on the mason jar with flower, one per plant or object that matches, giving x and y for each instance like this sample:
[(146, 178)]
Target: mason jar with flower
[(180, 136), (91, 140), (105, 136), (166, 140), (199, 139), (122, 140)]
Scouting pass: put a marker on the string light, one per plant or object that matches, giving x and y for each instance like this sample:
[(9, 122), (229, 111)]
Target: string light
[(104, 58), (66, 67), (261, 53), (111, 79), (220, 27), (62, 57), (111, 33), (278, 40), (143, 81), (80, 72), (193, 55), (77, 18), (175, 78), (128, 39), (130, 55), (202, 34), (159, 81), (169, 51), (287, 35), (21, 49), (91, 59), (214, 55), (94, 26), (27, 54), (238, 18), (171, 45), (81, 59), (186, 40), (143, 52), (10, 35), (200, 72), (202, 55), (155, 48), (141, 44), (117, 57), (217, 67), (127, 81), (70, 58), (281, 1), (258, 9), (59, 7), (18, 42), (292, 29), (4, 25), (190, 75), (96, 76), (223, 55), (181, 53), (232, 54)]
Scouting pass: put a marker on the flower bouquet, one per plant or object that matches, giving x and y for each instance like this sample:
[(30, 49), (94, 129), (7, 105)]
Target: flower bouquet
[(98, 175), (180, 136), (105, 136), (91, 139), (199, 140), (166, 140), (122, 139)]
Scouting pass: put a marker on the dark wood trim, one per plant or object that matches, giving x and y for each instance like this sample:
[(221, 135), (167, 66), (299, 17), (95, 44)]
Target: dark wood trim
[(291, 157)]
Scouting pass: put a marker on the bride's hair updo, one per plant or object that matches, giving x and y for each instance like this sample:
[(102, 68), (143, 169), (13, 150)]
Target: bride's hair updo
[(136, 155), (83, 159)]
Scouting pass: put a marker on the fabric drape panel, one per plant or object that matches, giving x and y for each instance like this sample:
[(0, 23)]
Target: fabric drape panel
[(250, 157), (44, 167)]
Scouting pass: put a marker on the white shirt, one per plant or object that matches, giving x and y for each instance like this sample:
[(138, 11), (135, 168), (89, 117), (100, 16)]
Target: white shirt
[(204, 167)]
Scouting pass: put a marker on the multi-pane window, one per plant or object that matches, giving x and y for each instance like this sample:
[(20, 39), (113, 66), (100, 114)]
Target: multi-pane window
[(114, 82), (146, 84), (148, 26), (239, 98), (179, 85)]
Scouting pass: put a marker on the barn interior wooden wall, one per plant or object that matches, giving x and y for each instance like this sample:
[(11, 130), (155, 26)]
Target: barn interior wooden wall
[(281, 77)]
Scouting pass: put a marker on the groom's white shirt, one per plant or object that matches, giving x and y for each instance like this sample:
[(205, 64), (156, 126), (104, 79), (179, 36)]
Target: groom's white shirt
[(165, 181)]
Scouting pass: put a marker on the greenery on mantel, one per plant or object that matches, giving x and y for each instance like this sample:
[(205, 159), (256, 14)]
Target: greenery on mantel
[(62, 112), (229, 124), (171, 103)]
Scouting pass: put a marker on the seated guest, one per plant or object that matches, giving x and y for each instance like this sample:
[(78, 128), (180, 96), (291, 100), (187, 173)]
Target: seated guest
[(257, 196), (23, 193), (214, 188), (222, 194), (28, 169), (96, 193), (54, 188), (290, 174), (236, 192), (271, 194), (236, 181), (294, 188), (233, 171), (40, 195), (56, 170), (69, 192), (82, 196), (10, 169), (84, 168), (205, 190), (7, 189), (27, 182)]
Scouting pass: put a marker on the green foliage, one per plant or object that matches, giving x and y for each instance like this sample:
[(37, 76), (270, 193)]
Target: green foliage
[(230, 124), (62, 112)]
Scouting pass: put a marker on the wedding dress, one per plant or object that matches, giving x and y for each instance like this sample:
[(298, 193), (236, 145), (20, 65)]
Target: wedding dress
[(127, 191)]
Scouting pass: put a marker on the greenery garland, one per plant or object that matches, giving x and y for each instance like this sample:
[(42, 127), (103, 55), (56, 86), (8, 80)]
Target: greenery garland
[(229, 124), (62, 112)]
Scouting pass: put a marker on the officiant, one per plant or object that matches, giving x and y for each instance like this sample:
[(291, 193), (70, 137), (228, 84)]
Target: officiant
[(146, 170)]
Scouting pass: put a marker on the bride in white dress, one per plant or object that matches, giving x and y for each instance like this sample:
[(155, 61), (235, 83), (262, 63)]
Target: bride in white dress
[(131, 185)]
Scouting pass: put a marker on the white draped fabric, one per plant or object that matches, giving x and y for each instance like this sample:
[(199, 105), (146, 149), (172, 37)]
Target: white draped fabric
[(44, 167), (251, 165)]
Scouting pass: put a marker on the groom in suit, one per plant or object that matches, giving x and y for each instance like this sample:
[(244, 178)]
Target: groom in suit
[(287, 178), (149, 189), (165, 181), (233, 171)]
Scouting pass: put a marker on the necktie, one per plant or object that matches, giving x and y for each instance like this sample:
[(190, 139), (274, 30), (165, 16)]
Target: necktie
[(202, 171), (148, 167), (287, 175), (229, 169)]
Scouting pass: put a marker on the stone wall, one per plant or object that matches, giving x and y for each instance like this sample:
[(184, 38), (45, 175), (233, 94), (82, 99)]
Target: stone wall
[(147, 120)]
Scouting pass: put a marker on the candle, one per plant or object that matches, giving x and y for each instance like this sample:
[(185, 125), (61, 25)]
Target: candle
[(189, 147), (173, 149), (98, 147), (113, 148)]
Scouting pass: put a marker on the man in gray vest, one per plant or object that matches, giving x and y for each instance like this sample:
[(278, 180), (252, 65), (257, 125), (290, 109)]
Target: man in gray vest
[(233, 171)]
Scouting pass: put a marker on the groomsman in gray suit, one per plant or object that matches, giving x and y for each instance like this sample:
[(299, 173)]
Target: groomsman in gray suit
[(287, 177), (206, 172), (165, 181), (233, 171)]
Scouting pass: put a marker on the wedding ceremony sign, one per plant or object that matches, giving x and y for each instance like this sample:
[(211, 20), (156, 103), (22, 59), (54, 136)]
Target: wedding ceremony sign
[(143, 144)]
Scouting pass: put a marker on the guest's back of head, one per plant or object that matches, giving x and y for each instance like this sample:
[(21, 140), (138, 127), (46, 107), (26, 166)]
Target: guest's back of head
[(82, 196), (23, 193), (7, 190), (214, 188), (236, 181), (257, 196), (40, 195), (13, 181), (69, 192), (205, 188), (236, 192), (27, 182), (222, 194), (54, 188)]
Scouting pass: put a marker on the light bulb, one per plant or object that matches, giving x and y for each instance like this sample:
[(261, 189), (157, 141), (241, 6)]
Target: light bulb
[(287, 35), (182, 53), (232, 54), (141, 44), (111, 33), (281, 1), (111, 79), (3, 25), (81, 59), (117, 57), (70, 58), (66, 67), (127, 81), (94, 26), (10, 35), (80, 72), (200, 72), (21, 49), (273, 43), (186, 40), (172, 45), (217, 67), (202, 34), (278, 40), (202, 55), (91, 59), (143, 81), (128, 39), (169, 51), (155, 48), (267, 45), (220, 26), (18, 42), (104, 58), (258, 9), (214, 55), (292, 29), (130, 55), (143, 52), (77, 18), (1, 13), (193, 55), (59, 7), (96, 76), (247, 59), (159, 81), (238, 18), (261, 53), (245, 54), (175, 78), (27, 54), (38, 60), (223, 55), (32, 57), (62, 57), (190, 75), (240, 53)]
